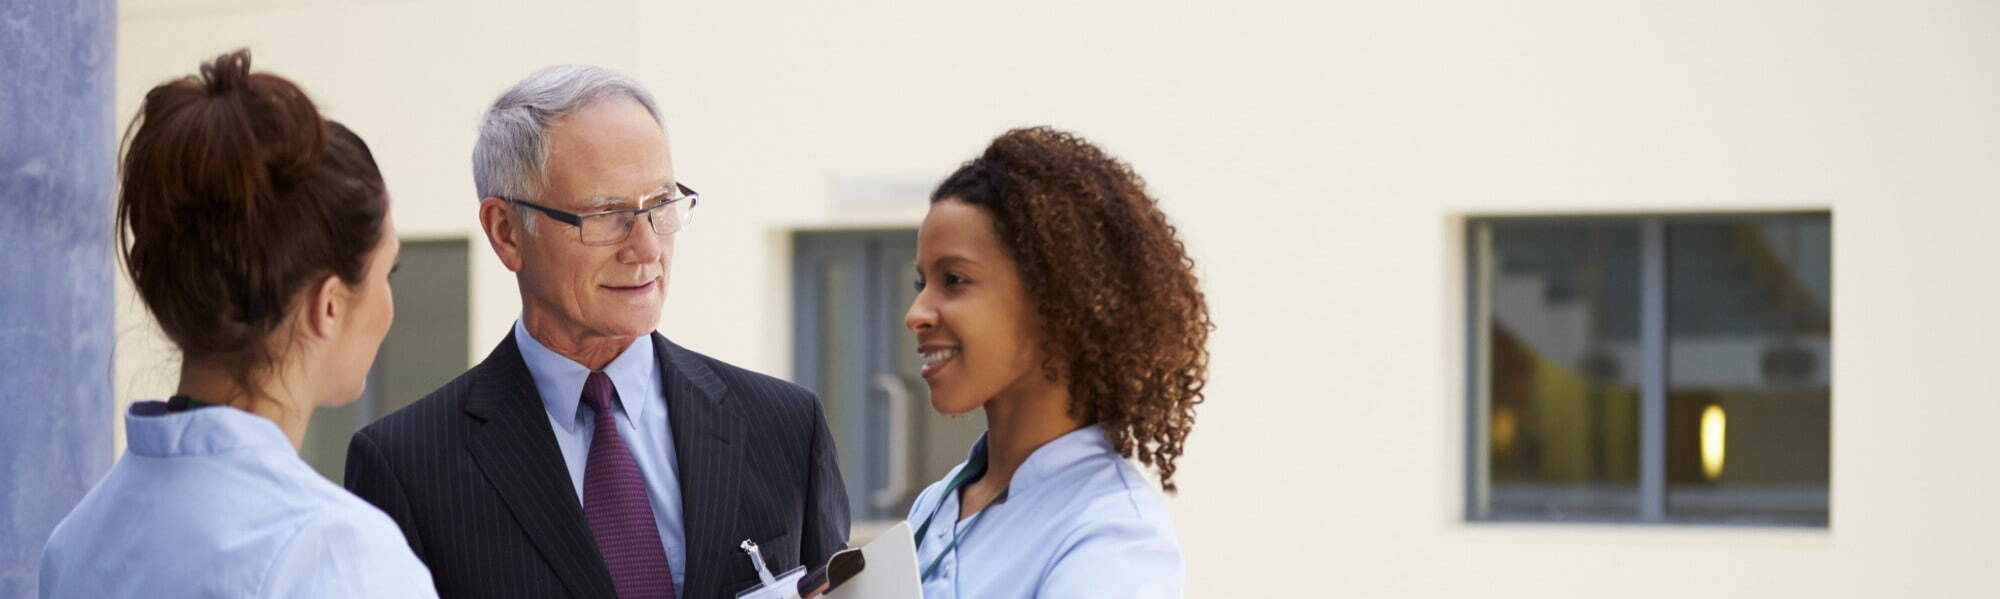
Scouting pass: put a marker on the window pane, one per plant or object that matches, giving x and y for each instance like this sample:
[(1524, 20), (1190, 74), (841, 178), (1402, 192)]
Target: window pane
[(1562, 352), (1748, 323), (425, 348), (853, 288)]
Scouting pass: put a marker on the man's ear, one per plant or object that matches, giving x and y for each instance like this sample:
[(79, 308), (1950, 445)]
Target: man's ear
[(325, 304), (497, 219)]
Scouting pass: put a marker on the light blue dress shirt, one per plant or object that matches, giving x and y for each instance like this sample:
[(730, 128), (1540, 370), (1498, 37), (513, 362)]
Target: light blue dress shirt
[(1078, 521), (642, 420), (215, 502)]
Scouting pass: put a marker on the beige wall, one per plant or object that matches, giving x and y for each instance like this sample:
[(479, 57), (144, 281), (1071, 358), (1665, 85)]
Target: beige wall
[(1319, 158)]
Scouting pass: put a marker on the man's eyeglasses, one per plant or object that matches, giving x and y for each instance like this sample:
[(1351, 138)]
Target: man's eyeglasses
[(670, 211)]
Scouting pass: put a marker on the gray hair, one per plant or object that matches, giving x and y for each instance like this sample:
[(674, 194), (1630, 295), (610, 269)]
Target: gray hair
[(511, 158)]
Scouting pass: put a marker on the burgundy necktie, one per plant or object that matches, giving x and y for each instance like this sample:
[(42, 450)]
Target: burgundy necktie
[(615, 504)]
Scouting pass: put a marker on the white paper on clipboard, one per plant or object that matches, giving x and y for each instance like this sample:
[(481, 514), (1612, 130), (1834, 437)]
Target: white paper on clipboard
[(890, 571)]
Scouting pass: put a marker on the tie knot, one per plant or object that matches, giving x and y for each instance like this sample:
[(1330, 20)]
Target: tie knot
[(598, 392)]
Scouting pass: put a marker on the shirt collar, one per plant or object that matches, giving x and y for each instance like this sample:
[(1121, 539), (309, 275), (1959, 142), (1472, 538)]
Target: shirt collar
[(1048, 460), (150, 430), (559, 380)]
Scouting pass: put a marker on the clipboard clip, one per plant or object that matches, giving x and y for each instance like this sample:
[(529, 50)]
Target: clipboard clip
[(840, 568)]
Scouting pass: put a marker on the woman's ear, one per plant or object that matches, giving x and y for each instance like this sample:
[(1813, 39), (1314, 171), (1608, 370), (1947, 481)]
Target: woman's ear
[(326, 305)]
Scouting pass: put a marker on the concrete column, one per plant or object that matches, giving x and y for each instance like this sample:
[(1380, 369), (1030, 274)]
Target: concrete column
[(57, 147)]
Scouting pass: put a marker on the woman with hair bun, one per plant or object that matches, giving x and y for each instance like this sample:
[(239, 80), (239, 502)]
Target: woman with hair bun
[(1054, 295), (258, 235)]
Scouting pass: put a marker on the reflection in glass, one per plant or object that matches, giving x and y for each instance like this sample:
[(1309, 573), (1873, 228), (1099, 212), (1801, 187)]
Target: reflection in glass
[(1562, 350), (1748, 355)]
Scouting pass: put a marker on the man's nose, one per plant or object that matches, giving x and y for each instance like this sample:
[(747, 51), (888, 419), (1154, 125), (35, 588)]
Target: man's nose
[(641, 243)]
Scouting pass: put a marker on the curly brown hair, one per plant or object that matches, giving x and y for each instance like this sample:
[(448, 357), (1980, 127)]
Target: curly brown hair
[(1122, 313)]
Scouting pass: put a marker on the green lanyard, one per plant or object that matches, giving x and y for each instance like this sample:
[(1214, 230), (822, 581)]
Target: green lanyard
[(974, 468)]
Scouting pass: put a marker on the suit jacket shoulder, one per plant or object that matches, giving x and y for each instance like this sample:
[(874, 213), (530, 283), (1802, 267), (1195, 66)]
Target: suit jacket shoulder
[(764, 398), (423, 419), (472, 474)]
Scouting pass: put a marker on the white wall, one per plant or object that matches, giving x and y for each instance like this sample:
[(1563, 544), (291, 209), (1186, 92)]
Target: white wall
[(1319, 158)]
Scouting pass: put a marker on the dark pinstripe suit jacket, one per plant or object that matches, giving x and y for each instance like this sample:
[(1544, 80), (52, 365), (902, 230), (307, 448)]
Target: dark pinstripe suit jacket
[(473, 476)]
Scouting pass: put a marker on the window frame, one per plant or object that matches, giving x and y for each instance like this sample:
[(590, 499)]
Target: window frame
[(1654, 342)]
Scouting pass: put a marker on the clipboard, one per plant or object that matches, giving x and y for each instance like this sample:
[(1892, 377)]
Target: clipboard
[(885, 568)]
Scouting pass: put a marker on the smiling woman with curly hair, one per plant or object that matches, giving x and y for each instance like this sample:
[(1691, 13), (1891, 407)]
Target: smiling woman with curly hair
[(1054, 295)]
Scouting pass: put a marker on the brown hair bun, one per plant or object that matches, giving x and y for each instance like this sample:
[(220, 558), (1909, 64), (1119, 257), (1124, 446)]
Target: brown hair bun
[(235, 194)]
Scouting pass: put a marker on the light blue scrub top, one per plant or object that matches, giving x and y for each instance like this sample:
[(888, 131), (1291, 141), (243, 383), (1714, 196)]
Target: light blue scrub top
[(1078, 521), (215, 502)]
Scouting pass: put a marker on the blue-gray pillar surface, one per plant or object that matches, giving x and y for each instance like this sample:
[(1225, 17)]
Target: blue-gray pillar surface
[(57, 147)]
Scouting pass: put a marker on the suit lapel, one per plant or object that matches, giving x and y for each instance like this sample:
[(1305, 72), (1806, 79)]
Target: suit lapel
[(517, 451), (708, 440)]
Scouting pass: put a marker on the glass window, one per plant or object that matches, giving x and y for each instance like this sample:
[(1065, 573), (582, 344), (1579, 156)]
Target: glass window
[(1563, 338), (1669, 368), (1748, 350), (426, 347), (851, 289)]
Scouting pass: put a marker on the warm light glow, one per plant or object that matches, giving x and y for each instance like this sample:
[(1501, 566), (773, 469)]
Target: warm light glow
[(1504, 429), (1714, 424)]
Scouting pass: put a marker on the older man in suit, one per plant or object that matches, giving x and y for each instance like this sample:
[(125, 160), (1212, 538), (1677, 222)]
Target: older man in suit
[(589, 456)]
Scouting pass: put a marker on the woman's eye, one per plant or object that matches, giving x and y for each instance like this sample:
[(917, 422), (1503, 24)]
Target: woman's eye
[(950, 280)]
